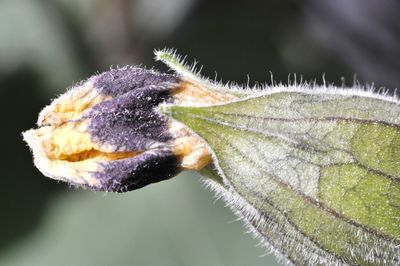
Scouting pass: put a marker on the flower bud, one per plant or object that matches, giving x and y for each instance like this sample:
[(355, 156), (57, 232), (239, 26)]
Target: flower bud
[(107, 134)]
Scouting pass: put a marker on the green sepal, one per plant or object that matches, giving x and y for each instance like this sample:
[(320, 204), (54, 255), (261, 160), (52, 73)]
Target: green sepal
[(322, 171)]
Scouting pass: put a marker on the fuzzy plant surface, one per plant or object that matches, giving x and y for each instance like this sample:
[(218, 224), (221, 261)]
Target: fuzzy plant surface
[(313, 171)]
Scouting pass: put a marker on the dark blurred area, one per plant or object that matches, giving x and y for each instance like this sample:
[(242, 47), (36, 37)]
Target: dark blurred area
[(47, 46)]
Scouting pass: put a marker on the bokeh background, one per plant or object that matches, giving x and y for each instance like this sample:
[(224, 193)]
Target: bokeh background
[(46, 46)]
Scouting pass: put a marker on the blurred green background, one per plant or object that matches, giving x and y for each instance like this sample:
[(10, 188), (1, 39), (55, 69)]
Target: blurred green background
[(46, 46)]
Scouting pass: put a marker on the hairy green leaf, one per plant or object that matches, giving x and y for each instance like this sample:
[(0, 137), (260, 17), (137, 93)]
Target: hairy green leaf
[(314, 171), (316, 174)]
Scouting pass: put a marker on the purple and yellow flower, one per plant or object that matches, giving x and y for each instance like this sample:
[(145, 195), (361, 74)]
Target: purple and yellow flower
[(107, 134)]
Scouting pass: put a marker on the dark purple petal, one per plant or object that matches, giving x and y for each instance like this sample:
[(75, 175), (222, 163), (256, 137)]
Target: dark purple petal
[(133, 173), (119, 81), (129, 121)]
